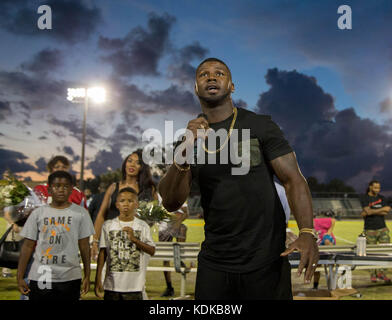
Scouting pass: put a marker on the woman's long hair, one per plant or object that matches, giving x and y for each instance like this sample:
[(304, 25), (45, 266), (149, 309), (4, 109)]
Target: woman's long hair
[(144, 177)]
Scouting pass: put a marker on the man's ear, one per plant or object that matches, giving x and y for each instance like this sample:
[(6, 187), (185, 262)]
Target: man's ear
[(196, 89), (230, 86)]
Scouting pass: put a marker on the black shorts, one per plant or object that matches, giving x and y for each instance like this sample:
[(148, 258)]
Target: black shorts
[(272, 282), (67, 290), (113, 295)]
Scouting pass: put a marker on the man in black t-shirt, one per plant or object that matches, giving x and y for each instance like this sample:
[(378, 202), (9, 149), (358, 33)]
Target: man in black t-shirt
[(243, 255), (375, 208)]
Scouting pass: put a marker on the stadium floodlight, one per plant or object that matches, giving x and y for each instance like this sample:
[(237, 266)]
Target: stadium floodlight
[(97, 94), (76, 93), (83, 95)]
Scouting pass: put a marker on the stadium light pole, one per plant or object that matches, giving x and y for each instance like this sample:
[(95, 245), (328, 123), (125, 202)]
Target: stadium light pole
[(82, 95)]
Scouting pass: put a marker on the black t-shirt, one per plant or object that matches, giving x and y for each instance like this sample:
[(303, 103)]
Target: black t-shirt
[(244, 219), (95, 205), (374, 222)]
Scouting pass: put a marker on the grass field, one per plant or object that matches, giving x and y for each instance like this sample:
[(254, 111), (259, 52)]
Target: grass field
[(346, 233)]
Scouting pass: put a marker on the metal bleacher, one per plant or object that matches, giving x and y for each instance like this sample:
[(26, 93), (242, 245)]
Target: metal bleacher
[(342, 204)]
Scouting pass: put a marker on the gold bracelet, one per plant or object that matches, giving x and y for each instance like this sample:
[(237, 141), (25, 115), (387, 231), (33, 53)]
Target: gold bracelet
[(182, 169), (308, 230)]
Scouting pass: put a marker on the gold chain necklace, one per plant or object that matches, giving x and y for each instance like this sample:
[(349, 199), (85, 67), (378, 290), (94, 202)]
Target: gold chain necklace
[(228, 135)]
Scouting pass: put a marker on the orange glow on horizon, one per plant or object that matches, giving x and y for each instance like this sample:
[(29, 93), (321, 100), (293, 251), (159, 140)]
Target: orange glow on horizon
[(38, 177)]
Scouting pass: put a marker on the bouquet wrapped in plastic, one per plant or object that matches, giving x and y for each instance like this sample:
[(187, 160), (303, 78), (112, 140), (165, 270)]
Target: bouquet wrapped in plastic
[(12, 192), (18, 199), (152, 212)]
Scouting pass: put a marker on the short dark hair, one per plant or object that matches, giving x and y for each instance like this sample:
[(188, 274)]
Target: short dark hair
[(60, 174), (327, 213), (373, 182), (56, 159), (370, 184), (127, 189), (212, 59)]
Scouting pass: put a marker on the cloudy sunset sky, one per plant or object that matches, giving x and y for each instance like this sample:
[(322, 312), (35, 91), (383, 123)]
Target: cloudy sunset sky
[(330, 90)]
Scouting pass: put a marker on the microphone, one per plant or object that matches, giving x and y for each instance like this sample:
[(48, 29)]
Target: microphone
[(199, 140)]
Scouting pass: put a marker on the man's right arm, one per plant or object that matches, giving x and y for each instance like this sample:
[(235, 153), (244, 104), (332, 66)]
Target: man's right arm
[(175, 187)]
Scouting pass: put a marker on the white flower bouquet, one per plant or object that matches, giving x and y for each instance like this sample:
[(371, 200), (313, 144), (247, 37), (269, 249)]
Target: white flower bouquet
[(19, 199), (12, 192), (152, 212)]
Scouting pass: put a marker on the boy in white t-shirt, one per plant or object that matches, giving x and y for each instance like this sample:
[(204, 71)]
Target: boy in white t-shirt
[(126, 243)]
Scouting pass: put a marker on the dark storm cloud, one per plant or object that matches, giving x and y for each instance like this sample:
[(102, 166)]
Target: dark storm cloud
[(74, 127), (15, 110), (5, 110), (386, 106), (47, 60), (14, 161), (310, 32), (124, 135), (72, 20), (295, 101), (129, 117), (36, 92), (134, 100), (24, 106), (174, 98), (139, 52), (181, 70), (41, 164), (58, 133), (240, 103), (105, 160), (339, 144), (385, 175), (31, 88), (342, 148), (69, 151)]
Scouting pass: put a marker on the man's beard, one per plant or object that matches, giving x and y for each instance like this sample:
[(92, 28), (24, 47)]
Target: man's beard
[(214, 101)]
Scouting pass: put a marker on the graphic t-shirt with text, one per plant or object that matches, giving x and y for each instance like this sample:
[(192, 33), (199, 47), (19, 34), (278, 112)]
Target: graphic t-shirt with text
[(57, 232), (126, 264), (374, 221)]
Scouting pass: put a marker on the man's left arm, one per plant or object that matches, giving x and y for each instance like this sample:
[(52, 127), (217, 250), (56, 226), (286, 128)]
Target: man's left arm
[(300, 202)]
